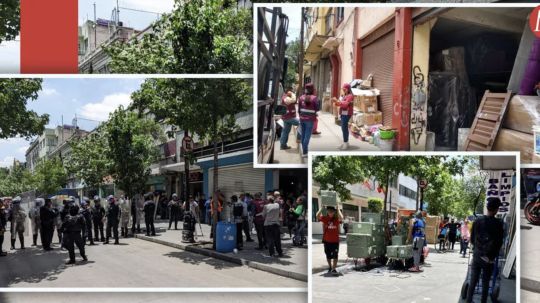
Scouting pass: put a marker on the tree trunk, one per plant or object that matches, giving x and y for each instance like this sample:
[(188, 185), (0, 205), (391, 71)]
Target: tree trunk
[(215, 203), (386, 198)]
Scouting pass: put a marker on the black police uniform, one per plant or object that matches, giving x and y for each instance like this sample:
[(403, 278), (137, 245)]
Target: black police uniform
[(47, 216), (149, 208), (74, 230), (87, 215), (113, 220), (98, 212)]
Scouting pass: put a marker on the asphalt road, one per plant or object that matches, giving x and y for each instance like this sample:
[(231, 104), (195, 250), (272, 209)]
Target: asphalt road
[(134, 263)]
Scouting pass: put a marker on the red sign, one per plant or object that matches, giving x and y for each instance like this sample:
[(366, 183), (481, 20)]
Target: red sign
[(423, 183), (534, 21), (187, 144)]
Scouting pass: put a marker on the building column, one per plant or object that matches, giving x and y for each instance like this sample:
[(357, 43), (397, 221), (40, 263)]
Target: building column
[(358, 59), (336, 64), (401, 94)]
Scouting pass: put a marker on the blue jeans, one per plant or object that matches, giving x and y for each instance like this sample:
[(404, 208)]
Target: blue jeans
[(287, 125), (345, 127), (307, 128)]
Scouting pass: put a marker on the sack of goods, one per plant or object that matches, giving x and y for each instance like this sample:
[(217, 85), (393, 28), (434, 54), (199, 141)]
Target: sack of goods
[(328, 198), (399, 251), (376, 218), (398, 240)]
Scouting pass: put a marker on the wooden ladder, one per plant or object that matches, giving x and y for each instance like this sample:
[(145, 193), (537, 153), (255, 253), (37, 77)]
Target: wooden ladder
[(487, 121)]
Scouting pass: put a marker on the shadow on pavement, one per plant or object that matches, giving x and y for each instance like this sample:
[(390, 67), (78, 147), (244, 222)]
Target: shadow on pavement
[(196, 259)]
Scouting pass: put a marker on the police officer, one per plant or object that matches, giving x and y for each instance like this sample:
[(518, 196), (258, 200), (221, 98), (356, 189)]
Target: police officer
[(98, 213), (174, 206), (124, 217), (17, 217), (68, 203), (47, 215), (3, 223), (74, 230), (148, 209), (35, 219), (113, 219), (136, 213), (87, 215)]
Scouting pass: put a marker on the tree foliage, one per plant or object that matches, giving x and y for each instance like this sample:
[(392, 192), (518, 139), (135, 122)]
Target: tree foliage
[(15, 181), (49, 176), (9, 19), (335, 173), (292, 52), (15, 119), (375, 205), (199, 36)]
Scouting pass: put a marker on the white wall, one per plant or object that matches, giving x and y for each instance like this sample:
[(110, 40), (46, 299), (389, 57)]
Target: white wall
[(405, 202), (370, 18)]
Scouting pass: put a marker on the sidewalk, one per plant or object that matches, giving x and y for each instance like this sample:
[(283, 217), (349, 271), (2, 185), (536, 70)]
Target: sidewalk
[(292, 265), (530, 249), (318, 258), (330, 139)]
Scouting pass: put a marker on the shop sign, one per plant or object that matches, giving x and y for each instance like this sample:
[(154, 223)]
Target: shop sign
[(534, 21), (499, 184)]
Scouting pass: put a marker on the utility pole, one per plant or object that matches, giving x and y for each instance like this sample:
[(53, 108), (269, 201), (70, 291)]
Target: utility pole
[(95, 27), (301, 57)]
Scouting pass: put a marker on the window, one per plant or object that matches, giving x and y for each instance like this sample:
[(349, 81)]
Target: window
[(340, 14), (407, 192), (328, 22)]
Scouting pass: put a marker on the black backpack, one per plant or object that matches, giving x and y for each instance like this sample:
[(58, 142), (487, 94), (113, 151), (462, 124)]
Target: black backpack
[(238, 210)]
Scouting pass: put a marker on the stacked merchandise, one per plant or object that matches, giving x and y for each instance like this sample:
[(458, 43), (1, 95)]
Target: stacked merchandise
[(366, 239), (398, 249), (432, 229), (328, 198)]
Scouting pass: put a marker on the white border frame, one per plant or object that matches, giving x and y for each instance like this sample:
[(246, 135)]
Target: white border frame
[(517, 211), (256, 164)]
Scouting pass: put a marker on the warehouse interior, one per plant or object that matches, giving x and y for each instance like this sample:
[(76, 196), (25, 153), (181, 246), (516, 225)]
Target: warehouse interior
[(471, 51)]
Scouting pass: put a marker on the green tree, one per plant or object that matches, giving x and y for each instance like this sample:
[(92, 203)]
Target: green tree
[(15, 181), (292, 52), (15, 119), (199, 36), (207, 108), (131, 149), (335, 173), (375, 205), (49, 176), (88, 159), (9, 19)]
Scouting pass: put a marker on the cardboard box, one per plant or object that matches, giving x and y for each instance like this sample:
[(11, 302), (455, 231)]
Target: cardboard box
[(376, 218), (366, 104), (405, 251), (431, 234), (398, 240), (365, 228), (392, 251), (328, 198), (373, 118)]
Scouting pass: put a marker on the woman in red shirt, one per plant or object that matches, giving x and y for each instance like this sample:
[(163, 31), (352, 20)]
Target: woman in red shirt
[(331, 223), (345, 103)]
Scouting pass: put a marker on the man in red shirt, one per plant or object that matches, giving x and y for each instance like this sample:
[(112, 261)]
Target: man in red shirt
[(331, 223)]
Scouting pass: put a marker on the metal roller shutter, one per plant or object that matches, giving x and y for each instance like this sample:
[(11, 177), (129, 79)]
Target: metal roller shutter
[(236, 179), (378, 59)]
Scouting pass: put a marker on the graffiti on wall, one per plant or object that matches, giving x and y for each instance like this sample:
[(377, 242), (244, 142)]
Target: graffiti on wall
[(418, 102)]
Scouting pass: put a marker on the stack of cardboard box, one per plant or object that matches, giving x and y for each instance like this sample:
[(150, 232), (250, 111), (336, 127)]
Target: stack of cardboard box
[(432, 229)]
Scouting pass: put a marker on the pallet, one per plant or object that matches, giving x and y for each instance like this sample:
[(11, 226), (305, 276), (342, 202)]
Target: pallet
[(487, 122)]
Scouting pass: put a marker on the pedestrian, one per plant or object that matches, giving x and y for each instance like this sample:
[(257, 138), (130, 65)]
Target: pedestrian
[(47, 215), (465, 237), (331, 223), (208, 210), (245, 219), (289, 119), (271, 215), (300, 212), (345, 103), (137, 213), (162, 203), (258, 220), (17, 217), (452, 232), (174, 206), (3, 223), (113, 219), (217, 200), (289, 219), (34, 218), (98, 215), (87, 215), (74, 230), (487, 238), (148, 209), (239, 213), (124, 216), (442, 234), (418, 240), (202, 208), (308, 108), (191, 215)]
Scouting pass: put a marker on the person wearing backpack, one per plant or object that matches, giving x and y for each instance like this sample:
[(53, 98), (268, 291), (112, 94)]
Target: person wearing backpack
[(239, 213), (308, 108), (487, 238), (258, 220)]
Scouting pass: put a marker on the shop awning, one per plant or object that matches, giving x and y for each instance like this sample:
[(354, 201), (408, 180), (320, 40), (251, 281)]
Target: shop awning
[(331, 43), (315, 47)]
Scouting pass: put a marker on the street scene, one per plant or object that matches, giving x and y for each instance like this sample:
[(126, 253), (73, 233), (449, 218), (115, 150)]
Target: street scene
[(395, 79), (438, 228), (165, 37), (108, 182)]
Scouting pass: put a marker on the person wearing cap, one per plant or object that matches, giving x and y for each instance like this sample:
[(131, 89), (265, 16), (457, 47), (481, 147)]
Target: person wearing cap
[(47, 215), (74, 230), (34, 218), (17, 217), (113, 220), (289, 119), (149, 209), (271, 214), (345, 104), (3, 223), (124, 216), (174, 206), (487, 238), (308, 107), (418, 240), (98, 215), (331, 223), (87, 215)]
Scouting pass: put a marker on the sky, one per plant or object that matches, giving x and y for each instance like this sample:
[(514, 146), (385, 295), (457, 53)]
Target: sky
[(295, 22), (10, 53), (137, 20), (65, 99)]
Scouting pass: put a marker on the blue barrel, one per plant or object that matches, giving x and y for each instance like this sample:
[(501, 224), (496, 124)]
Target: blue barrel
[(225, 237)]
